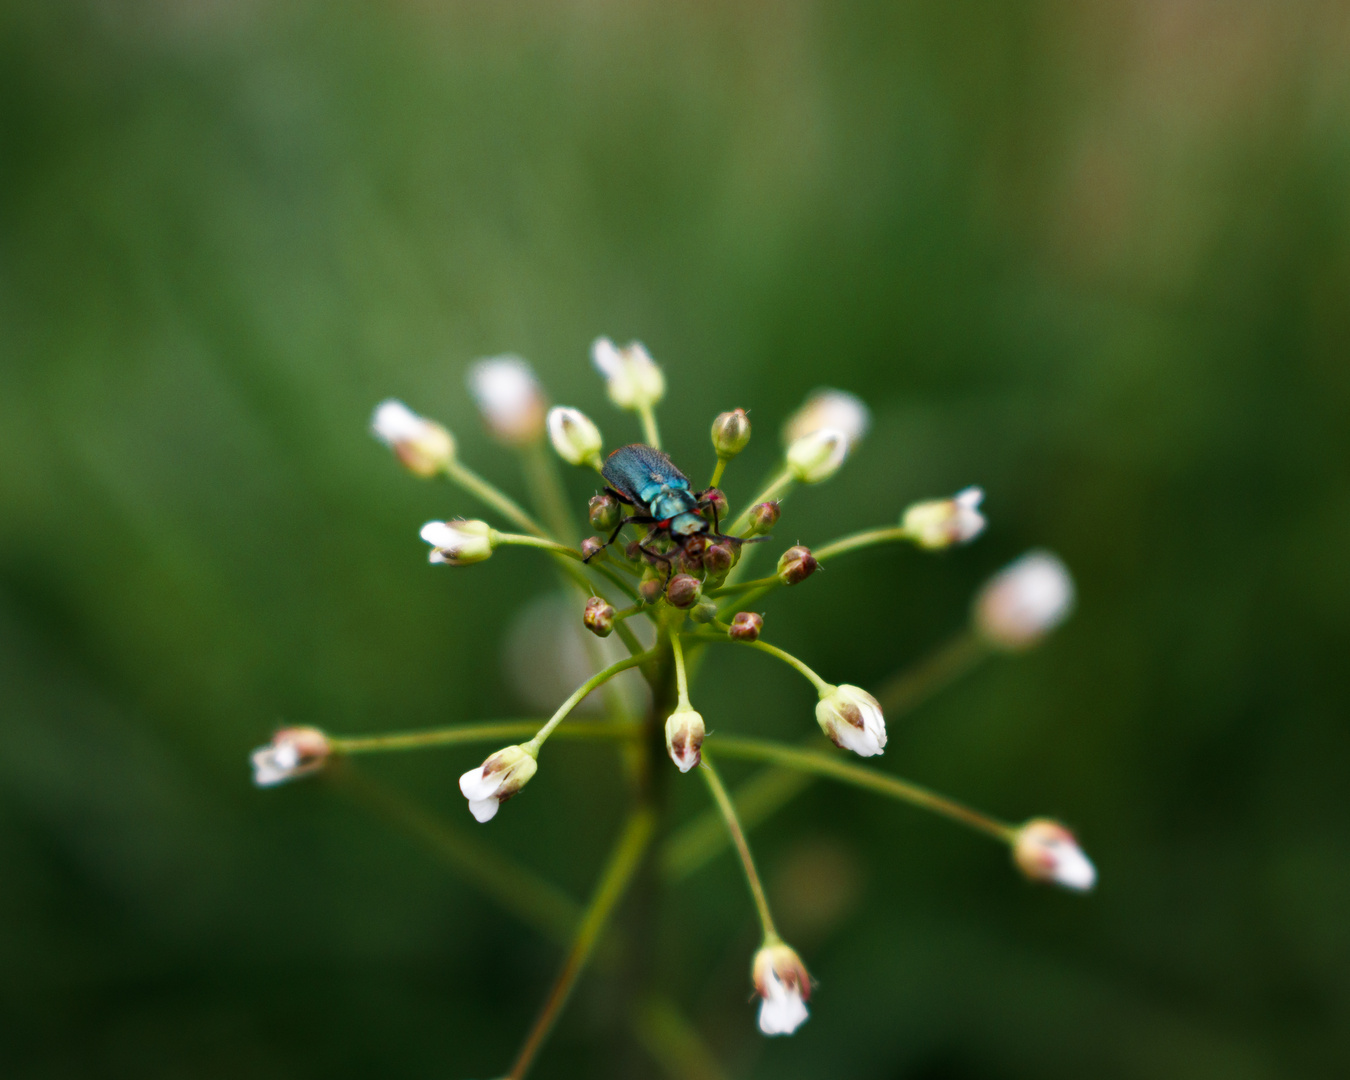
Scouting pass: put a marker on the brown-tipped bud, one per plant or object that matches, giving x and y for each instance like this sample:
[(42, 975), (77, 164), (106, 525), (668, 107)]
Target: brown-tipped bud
[(591, 547), (599, 617), (633, 549), (719, 559), (797, 564), (730, 433), (684, 591), (746, 626), (705, 611), (650, 590), (293, 752), (716, 501), (605, 512), (763, 517)]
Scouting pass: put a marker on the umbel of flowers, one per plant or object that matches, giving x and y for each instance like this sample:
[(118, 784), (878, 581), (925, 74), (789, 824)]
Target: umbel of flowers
[(669, 553)]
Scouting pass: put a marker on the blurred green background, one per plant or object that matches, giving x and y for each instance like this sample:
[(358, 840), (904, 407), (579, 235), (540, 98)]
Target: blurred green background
[(1093, 257)]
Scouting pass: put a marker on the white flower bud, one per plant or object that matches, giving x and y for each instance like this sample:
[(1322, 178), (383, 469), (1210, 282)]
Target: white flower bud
[(292, 753), (632, 377), (940, 523), (574, 436), (816, 457), (1046, 851), (458, 543), (422, 445), (851, 718), (784, 985), (835, 409), (684, 738), (509, 397), (1024, 601), (496, 780)]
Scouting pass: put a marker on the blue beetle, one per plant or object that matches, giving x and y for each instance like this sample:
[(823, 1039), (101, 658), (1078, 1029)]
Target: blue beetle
[(646, 479)]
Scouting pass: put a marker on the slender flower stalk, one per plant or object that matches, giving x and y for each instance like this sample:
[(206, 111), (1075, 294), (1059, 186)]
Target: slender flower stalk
[(776, 490), (684, 727), (464, 734), (598, 679), (489, 494), (728, 811)]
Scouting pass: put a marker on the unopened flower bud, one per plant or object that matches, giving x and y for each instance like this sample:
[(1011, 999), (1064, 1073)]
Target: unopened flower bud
[(718, 560), (829, 409), (731, 433), (796, 564), (458, 543), (763, 517), (422, 445), (509, 398), (784, 985), (633, 550), (684, 738), (1023, 602), (684, 591), (574, 436), (717, 502), (746, 626), (851, 718), (940, 523), (705, 611), (591, 547), (599, 616), (650, 589), (496, 780), (816, 457), (605, 512), (632, 377), (1046, 851), (292, 753)]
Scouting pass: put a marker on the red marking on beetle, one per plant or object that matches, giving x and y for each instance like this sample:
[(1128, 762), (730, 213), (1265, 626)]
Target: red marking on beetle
[(664, 524)]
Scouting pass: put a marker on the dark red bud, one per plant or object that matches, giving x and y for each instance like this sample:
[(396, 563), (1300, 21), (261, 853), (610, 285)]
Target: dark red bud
[(599, 617), (716, 503), (650, 590), (746, 626), (590, 547), (684, 591), (763, 517), (796, 565), (718, 560)]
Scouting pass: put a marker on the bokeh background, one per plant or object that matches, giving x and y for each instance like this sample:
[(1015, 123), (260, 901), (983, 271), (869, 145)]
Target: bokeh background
[(1093, 257)]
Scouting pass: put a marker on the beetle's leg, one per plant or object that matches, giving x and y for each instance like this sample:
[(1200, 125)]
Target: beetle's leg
[(636, 519)]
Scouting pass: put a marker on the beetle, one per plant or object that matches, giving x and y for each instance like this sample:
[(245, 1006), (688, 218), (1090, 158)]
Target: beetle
[(644, 478)]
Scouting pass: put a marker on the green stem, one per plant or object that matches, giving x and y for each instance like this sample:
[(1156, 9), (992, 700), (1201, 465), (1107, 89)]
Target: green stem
[(519, 540), (488, 493), (546, 489), (472, 733), (765, 583), (673, 1042), (623, 861), (532, 747), (778, 487), (648, 416), (944, 665), (681, 679), (733, 824), (859, 776), (822, 687), (718, 470), (864, 539)]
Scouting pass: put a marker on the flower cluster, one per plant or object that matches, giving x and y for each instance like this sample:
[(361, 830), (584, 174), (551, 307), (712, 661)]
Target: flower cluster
[(682, 573)]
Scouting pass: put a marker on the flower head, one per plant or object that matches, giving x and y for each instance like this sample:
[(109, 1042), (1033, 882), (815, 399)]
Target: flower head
[(422, 445), (1046, 851), (631, 375), (835, 409), (851, 718), (458, 543), (731, 433), (816, 457), (784, 984), (292, 753), (574, 436), (1023, 602), (746, 626), (684, 737), (510, 399), (796, 564), (496, 780), (940, 523)]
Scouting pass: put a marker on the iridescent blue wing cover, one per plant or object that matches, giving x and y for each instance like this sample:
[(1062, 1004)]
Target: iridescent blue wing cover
[(639, 472)]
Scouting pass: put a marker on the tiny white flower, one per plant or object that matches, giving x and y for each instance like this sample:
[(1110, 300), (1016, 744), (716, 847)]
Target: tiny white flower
[(684, 738), (510, 399), (292, 753), (939, 523), (501, 776), (816, 457), (835, 409), (1023, 602), (783, 984), (574, 436), (1046, 851), (631, 375), (422, 445), (851, 718), (458, 543)]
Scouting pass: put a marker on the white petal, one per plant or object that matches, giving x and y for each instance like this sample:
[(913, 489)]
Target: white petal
[(440, 534), (861, 741), (1073, 869), (484, 809), (782, 1012), (606, 357), (476, 786), (394, 422)]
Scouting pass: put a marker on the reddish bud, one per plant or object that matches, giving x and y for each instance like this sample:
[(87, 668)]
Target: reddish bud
[(684, 591), (716, 503), (718, 560), (746, 626), (763, 517), (650, 590), (591, 547), (797, 564), (605, 512), (599, 617)]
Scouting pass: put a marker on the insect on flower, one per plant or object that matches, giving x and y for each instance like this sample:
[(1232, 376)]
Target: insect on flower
[(646, 479)]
